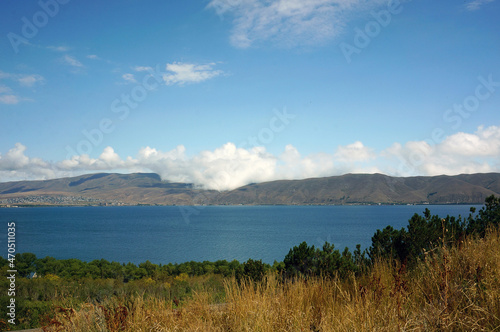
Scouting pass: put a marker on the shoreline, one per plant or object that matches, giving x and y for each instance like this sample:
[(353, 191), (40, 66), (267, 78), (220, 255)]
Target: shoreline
[(18, 206)]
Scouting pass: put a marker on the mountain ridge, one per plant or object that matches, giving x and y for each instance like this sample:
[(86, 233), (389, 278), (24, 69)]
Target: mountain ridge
[(148, 188)]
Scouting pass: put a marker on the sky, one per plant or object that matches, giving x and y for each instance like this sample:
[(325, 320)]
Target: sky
[(222, 93)]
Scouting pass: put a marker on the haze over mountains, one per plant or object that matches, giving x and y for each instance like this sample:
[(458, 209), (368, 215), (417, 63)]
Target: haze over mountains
[(148, 188)]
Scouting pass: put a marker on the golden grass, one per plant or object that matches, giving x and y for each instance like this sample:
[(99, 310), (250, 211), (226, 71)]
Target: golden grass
[(452, 289)]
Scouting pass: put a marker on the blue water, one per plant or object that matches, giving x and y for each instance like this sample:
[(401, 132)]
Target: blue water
[(164, 234)]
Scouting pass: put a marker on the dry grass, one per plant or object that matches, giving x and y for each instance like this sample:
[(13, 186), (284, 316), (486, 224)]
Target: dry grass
[(452, 289)]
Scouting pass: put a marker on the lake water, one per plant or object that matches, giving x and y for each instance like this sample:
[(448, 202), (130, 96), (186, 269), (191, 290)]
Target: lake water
[(163, 234)]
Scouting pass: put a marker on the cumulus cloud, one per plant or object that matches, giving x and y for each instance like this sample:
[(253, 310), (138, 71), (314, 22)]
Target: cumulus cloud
[(108, 160), (15, 165), (288, 22), (14, 158), (354, 152), (477, 4), (292, 165), (228, 166), (182, 73), (457, 153)]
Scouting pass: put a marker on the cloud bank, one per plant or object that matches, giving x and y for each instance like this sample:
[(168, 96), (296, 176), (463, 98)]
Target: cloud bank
[(229, 166)]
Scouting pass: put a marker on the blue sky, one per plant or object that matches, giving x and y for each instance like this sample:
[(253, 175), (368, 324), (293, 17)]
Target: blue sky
[(226, 92)]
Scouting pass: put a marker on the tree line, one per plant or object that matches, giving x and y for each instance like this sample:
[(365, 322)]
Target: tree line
[(423, 234), (27, 264)]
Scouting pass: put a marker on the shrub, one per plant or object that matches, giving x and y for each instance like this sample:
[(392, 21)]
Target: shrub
[(305, 261), (253, 270)]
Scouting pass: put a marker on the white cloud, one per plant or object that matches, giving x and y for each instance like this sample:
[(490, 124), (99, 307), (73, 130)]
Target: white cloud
[(93, 57), (9, 99), (289, 22), (71, 61), (129, 78), (110, 157), (15, 165), (182, 73), (4, 75), (477, 4), (467, 145), (142, 68), (354, 152), (8, 96), (59, 48), (23, 79), (228, 167), (14, 158), (30, 80), (5, 89), (457, 153), (292, 165)]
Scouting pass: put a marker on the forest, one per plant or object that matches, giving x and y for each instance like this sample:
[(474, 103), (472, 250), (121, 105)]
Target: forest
[(437, 273)]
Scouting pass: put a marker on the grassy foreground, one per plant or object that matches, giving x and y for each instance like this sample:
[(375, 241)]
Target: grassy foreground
[(454, 288)]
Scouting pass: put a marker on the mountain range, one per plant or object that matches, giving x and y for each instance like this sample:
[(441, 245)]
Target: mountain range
[(150, 189)]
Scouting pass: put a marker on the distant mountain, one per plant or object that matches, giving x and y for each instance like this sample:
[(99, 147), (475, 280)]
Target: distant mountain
[(102, 188), (147, 188), (369, 189)]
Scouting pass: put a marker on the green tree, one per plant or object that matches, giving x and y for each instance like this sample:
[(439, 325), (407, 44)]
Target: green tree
[(388, 243), (424, 232), (300, 260), (3, 262), (48, 265), (488, 216), (72, 268), (253, 270), (308, 261), (25, 264), (149, 267)]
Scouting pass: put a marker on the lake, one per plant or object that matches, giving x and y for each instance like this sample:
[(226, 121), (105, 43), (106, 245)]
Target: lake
[(164, 234)]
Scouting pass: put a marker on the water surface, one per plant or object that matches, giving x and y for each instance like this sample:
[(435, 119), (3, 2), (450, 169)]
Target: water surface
[(164, 234)]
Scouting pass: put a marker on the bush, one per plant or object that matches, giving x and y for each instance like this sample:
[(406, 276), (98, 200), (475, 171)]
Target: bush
[(305, 261), (253, 270), (489, 216)]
